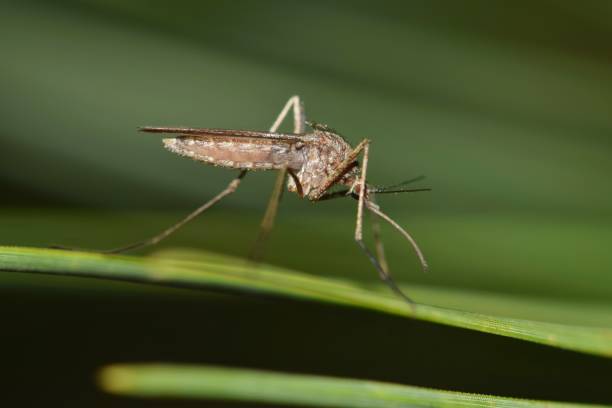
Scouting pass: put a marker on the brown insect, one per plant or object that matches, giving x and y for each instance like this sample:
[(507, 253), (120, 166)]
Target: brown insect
[(310, 163)]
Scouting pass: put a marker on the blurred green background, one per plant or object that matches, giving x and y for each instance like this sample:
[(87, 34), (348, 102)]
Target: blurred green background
[(503, 106)]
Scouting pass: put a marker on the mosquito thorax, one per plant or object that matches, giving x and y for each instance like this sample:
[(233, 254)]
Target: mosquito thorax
[(325, 153)]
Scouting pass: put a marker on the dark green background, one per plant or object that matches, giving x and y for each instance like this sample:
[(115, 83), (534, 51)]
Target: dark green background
[(504, 106)]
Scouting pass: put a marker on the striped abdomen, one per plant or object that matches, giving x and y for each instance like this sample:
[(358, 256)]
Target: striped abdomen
[(238, 152)]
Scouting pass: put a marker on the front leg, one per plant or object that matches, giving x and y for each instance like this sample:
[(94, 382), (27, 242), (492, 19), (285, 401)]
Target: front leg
[(361, 203), (376, 233), (382, 271)]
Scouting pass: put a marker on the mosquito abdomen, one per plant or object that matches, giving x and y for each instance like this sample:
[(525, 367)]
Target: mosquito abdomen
[(237, 153)]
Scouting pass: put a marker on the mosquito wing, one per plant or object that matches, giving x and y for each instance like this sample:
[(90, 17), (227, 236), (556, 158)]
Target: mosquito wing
[(220, 133), (237, 149)]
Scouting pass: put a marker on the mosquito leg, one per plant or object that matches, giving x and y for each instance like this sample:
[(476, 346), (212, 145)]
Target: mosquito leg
[(321, 194), (384, 275), (376, 210), (378, 244), (268, 220), (232, 186), (299, 118), (299, 121)]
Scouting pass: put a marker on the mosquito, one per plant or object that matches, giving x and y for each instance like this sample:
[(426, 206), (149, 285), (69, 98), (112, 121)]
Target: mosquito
[(310, 163)]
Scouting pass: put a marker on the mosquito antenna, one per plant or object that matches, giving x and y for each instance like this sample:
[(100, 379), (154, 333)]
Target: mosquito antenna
[(347, 192), (376, 210), (388, 190), (399, 187)]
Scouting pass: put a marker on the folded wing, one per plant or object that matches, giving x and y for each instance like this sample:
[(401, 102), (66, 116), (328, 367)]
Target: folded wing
[(237, 149), (289, 137)]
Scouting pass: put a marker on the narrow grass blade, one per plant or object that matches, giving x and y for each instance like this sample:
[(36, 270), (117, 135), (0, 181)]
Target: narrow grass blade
[(201, 270), (209, 382)]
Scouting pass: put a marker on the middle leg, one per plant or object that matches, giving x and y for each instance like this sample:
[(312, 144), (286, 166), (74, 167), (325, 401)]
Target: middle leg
[(299, 121), (382, 271), (378, 244)]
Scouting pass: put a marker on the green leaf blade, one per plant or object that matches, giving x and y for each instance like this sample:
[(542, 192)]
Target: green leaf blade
[(209, 382), (200, 270)]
